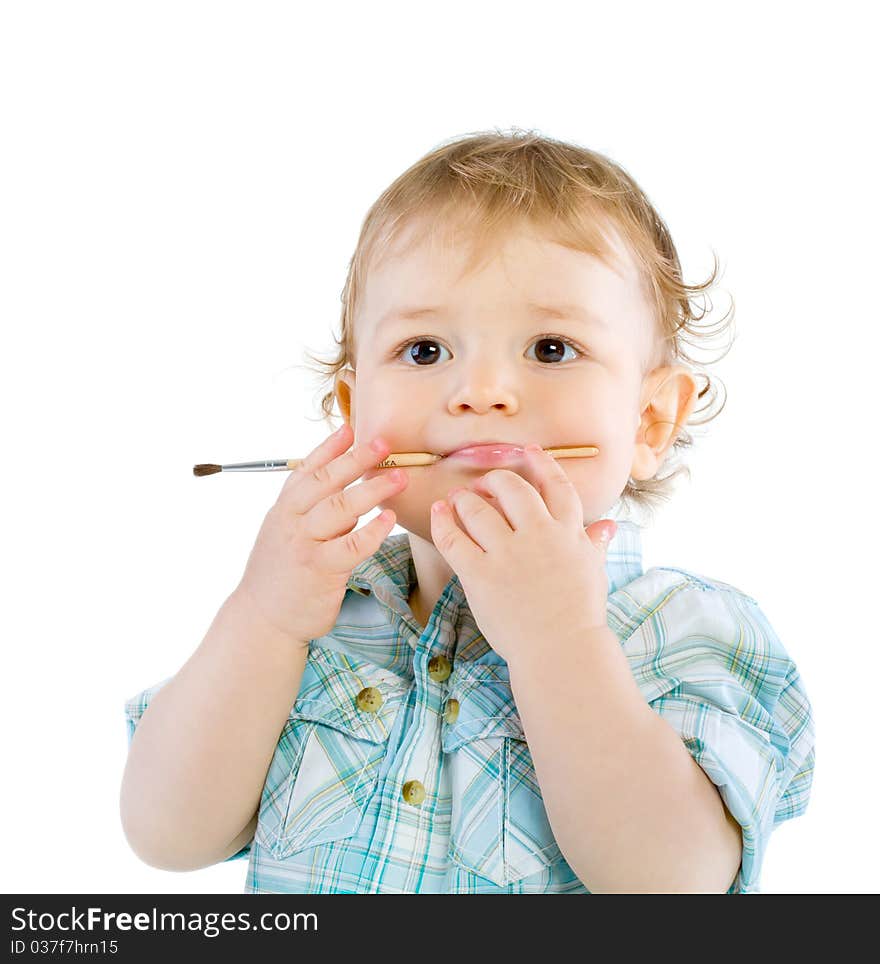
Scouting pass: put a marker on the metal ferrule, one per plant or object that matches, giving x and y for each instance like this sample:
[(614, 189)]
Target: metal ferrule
[(271, 466)]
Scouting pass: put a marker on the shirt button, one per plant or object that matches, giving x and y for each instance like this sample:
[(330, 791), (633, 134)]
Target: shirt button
[(413, 792), (439, 668), (369, 699), (451, 714)]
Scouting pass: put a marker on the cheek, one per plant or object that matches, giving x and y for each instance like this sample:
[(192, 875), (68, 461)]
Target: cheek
[(596, 478), (609, 423)]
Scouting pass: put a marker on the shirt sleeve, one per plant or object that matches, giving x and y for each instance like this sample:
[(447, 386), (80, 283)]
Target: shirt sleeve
[(134, 710), (714, 669)]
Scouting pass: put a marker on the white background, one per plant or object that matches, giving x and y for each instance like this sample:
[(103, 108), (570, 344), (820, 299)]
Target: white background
[(182, 188)]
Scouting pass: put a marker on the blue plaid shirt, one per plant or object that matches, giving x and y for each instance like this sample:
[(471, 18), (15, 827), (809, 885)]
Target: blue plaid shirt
[(333, 818)]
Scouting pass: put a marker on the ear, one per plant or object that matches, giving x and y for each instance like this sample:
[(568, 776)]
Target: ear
[(669, 395), (343, 389)]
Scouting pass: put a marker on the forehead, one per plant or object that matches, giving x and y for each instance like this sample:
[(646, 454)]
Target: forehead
[(460, 244), (431, 263)]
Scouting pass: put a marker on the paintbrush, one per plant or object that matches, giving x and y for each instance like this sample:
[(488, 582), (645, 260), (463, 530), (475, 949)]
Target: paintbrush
[(390, 461)]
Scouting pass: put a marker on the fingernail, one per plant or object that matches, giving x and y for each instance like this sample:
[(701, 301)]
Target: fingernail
[(378, 445)]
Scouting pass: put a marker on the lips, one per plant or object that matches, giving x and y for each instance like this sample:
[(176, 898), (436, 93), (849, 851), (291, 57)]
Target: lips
[(488, 447), (478, 444), (488, 453)]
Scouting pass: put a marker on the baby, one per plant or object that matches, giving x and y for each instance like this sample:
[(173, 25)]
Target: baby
[(498, 699)]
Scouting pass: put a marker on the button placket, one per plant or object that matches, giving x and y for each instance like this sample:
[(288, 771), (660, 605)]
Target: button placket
[(439, 670)]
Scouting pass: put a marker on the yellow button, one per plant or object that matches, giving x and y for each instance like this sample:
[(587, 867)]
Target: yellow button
[(439, 668), (413, 792), (369, 699), (451, 714)]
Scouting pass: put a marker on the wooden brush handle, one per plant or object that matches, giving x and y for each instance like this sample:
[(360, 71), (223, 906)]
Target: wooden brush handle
[(394, 459)]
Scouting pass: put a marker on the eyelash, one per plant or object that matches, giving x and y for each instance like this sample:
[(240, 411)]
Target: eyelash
[(581, 351)]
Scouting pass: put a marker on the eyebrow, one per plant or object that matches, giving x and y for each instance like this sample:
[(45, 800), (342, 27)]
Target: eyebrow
[(563, 312)]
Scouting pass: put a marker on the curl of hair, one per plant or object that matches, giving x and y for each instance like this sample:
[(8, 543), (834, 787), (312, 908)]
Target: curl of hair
[(488, 182)]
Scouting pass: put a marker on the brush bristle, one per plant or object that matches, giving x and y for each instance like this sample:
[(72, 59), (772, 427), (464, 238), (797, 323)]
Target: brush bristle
[(205, 469)]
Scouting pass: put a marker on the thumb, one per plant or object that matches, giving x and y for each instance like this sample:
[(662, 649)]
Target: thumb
[(601, 533)]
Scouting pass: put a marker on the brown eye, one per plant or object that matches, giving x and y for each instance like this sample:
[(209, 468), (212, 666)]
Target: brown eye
[(551, 349), (423, 352)]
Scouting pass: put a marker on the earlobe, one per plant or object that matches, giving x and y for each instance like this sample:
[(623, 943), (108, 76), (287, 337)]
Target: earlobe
[(671, 394)]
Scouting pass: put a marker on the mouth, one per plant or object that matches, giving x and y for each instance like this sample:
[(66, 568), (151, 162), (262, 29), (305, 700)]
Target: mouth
[(488, 453)]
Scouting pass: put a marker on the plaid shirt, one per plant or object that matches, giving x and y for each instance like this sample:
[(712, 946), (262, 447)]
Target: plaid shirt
[(333, 818)]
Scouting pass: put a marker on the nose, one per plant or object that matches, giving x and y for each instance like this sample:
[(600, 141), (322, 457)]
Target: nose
[(484, 388), (481, 402)]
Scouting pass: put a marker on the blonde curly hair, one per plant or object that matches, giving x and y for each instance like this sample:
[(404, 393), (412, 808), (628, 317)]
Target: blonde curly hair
[(494, 180)]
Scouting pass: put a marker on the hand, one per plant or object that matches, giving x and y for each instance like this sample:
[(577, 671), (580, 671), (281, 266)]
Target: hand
[(531, 568), (298, 569)]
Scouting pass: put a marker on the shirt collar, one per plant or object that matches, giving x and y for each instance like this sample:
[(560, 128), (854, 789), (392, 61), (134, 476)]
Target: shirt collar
[(390, 572)]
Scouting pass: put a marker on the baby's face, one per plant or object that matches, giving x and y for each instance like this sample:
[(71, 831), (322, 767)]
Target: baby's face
[(488, 364)]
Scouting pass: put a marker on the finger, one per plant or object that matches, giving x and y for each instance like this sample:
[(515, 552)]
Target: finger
[(554, 486), (327, 450), (479, 520), (520, 502), (342, 554), (601, 533), (340, 511), (329, 468), (484, 492), (456, 547)]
